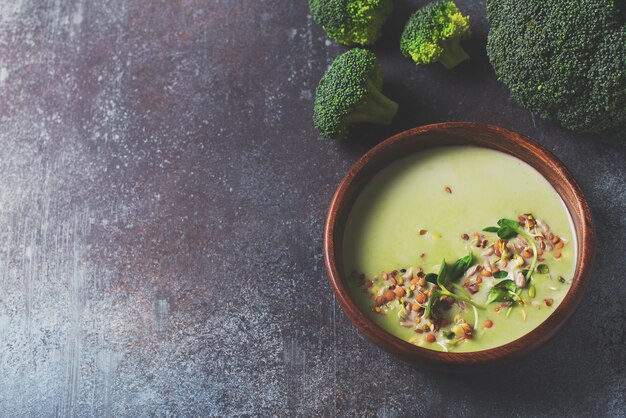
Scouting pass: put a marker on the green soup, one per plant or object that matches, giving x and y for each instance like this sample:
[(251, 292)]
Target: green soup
[(434, 205)]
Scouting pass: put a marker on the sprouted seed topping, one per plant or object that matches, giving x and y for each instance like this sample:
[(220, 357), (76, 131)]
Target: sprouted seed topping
[(495, 276)]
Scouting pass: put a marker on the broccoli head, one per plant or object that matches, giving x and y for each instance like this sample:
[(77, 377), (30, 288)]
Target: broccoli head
[(433, 34), (562, 59), (349, 93), (351, 22)]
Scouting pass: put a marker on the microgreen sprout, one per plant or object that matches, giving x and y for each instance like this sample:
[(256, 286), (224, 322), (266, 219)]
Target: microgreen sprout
[(509, 229), (446, 278)]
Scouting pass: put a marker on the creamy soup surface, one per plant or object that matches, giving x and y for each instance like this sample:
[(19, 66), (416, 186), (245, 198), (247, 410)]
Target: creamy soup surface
[(433, 206)]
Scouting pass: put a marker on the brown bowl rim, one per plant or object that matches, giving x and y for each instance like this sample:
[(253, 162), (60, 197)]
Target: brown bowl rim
[(470, 361)]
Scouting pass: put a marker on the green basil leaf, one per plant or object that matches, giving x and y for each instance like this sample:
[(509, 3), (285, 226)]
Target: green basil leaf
[(500, 275), (434, 298), (460, 266), (443, 268), (497, 294), (507, 232), (442, 280), (431, 277), (491, 229), (507, 284), (543, 269), (503, 291), (508, 223)]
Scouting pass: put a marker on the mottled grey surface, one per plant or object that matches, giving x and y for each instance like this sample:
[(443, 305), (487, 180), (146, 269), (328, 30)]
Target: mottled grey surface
[(162, 196)]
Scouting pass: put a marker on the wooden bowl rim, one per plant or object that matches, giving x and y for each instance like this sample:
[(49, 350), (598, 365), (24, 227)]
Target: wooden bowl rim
[(475, 360)]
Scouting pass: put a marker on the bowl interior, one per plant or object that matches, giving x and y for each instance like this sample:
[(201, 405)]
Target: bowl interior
[(448, 134)]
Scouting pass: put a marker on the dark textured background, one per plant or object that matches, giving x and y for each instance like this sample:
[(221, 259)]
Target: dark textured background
[(162, 196)]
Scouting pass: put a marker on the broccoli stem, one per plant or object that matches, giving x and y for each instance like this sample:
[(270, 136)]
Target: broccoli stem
[(453, 53), (376, 108)]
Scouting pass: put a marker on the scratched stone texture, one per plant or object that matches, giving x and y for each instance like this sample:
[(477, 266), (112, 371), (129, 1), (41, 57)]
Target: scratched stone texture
[(162, 197)]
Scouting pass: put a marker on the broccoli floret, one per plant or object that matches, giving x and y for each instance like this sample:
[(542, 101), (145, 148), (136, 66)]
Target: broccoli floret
[(433, 34), (562, 59), (351, 22), (349, 93)]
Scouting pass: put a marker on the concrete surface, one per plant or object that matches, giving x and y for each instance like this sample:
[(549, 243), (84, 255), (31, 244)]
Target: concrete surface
[(162, 196)]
